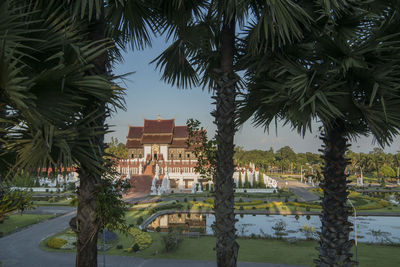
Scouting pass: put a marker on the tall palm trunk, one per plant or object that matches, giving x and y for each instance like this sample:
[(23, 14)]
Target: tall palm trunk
[(224, 226), (87, 224), (334, 238)]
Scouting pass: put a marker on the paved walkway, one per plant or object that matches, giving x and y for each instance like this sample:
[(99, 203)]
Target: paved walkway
[(21, 249), (56, 210), (299, 189)]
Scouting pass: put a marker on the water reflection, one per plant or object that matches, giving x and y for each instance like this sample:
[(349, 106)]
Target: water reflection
[(376, 229), (187, 222)]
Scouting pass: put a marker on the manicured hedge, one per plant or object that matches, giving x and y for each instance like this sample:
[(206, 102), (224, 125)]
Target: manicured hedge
[(252, 203), (55, 242), (142, 239)]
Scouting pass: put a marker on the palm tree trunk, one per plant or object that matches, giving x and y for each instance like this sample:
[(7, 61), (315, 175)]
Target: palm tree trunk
[(87, 224), (334, 241), (224, 226)]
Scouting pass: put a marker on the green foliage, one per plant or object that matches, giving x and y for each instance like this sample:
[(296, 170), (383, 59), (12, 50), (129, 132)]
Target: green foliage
[(116, 149), (209, 200), (172, 240), (240, 185), (56, 243), (48, 83), (110, 206), (139, 220), (141, 239), (11, 200), (204, 149), (387, 171)]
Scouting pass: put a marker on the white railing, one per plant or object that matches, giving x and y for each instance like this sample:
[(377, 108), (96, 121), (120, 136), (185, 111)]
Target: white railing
[(255, 190)]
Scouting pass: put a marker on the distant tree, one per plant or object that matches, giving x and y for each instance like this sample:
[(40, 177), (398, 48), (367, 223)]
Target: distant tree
[(115, 149)]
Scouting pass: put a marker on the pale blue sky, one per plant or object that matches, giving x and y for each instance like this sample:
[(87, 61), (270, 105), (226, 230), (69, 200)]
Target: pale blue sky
[(147, 96)]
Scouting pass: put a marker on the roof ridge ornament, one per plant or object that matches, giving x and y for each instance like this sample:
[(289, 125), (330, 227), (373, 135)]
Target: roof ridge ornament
[(159, 117)]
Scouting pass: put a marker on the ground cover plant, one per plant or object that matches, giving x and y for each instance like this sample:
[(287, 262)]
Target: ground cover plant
[(17, 221)]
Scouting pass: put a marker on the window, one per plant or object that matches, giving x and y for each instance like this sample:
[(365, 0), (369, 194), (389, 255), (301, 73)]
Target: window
[(140, 156), (133, 156), (172, 156), (180, 155), (188, 155)]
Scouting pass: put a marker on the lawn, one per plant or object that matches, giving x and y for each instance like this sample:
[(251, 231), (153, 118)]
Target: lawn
[(20, 221), (251, 250), (63, 202), (254, 250), (264, 250)]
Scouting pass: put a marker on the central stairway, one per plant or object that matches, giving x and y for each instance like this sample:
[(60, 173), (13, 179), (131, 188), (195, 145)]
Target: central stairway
[(140, 183)]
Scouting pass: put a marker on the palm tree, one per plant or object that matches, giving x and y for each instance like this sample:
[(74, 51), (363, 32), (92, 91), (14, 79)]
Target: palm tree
[(375, 161), (203, 54), (345, 73), (124, 22), (55, 101)]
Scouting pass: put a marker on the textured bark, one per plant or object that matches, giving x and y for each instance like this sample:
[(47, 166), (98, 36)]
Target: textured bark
[(334, 242), (224, 226), (86, 224)]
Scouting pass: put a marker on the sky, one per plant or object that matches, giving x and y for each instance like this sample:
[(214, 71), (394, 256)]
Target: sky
[(147, 96)]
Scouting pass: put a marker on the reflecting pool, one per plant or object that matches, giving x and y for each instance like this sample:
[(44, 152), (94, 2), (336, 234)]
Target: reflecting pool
[(375, 229)]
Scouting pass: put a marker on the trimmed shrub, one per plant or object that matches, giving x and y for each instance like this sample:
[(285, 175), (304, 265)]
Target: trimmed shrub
[(141, 239), (172, 241), (119, 246), (139, 220), (158, 229), (135, 247), (56, 242), (209, 200)]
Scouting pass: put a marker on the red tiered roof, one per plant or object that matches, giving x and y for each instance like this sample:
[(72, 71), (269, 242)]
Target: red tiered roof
[(158, 126), (133, 144), (180, 132), (156, 139), (135, 132), (157, 132)]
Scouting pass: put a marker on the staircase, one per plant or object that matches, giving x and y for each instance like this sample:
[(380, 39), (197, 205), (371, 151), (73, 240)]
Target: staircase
[(148, 170), (140, 183)]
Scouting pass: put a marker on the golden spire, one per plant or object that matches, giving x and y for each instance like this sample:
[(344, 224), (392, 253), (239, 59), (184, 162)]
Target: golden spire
[(159, 117)]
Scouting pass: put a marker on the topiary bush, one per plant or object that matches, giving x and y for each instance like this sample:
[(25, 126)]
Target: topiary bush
[(171, 241), (139, 220), (56, 243), (141, 239)]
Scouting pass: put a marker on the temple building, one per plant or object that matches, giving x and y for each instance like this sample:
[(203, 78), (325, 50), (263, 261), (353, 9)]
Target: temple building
[(159, 150), (160, 161)]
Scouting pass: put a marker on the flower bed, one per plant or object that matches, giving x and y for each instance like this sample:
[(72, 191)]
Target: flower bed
[(56, 242)]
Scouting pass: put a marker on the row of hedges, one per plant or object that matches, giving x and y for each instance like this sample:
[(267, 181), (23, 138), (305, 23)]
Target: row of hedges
[(142, 239), (252, 203), (55, 242)]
